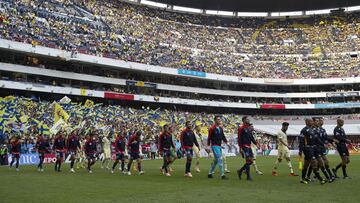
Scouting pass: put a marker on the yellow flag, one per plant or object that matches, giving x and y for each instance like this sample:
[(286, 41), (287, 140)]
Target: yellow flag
[(204, 130), (9, 98), (60, 113), (89, 103), (197, 123), (162, 123), (24, 118), (300, 163), (83, 92)]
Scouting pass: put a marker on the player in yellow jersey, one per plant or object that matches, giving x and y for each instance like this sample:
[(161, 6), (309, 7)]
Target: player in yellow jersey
[(254, 148), (106, 152), (283, 150)]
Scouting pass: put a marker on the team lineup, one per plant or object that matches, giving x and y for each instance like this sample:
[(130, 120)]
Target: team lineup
[(313, 142)]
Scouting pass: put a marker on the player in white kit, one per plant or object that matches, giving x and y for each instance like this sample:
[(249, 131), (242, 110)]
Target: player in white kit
[(283, 150)]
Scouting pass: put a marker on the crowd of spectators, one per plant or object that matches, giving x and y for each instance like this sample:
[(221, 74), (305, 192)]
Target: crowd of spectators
[(315, 47)]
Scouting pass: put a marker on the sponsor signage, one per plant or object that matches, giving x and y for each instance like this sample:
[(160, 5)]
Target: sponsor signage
[(140, 84), (338, 105), (191, 73), (111, 95), (342, 94), (272, 106)]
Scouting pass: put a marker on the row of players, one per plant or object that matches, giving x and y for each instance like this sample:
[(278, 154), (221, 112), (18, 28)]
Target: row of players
[(313, 141)]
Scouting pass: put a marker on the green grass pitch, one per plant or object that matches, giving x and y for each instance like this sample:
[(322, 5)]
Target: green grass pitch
[(29, 185)]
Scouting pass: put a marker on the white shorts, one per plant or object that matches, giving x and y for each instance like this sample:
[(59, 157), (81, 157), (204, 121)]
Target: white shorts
[(283, 152), (107, 154)]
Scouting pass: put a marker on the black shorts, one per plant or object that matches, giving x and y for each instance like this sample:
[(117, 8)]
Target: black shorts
[(90, 156), (322, 151), (343, 150), (167, 153), (189, 153), (41, 155), (309, 153), (248, 153), (16, 155), (134, 155), (59, 154), (120, 156), (317, 152), (72, 153)]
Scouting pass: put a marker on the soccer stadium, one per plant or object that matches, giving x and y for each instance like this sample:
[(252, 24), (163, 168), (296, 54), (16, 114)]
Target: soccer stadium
[(179, 101)]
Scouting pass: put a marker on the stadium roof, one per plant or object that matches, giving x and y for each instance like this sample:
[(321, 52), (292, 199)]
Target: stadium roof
[(262, 5)]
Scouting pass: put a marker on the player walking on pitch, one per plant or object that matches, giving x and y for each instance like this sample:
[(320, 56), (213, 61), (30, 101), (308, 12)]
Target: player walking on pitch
[(215, 139), (188, 140), (245, 138), (307, 147), (283, 150), (341, 141)]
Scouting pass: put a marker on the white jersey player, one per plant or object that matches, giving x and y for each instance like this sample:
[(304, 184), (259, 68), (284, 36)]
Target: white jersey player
[(283, 150)]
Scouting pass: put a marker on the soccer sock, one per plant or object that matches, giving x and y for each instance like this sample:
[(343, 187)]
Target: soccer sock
[(309, 171), (89, 165), (303, 173), (329, 171), (247, 169), (59, 166), (290, 167), (12, 162), (338, 166), (165, 166), (255, 166), (72, 163), (122, 165), (41, 163), (188, 165), (225, 164), (325, 173), (276, 165), (344, 170), (17, 163), (129, 165), (114, 165), (317, 174), (139, 166)]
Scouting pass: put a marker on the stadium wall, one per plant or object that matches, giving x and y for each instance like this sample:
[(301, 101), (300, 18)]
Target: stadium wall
[(167, 100), (123, 82)]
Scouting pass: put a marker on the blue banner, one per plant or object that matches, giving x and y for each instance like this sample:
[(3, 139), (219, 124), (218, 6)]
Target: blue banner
[(337, 105), (191, 72)]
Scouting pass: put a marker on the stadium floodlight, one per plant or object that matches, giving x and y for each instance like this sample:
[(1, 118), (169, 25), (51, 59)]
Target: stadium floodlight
[(222, 13), (292, 13), (187, 9), (317, 12), (353, 8), (252, 14), (152, 3)]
